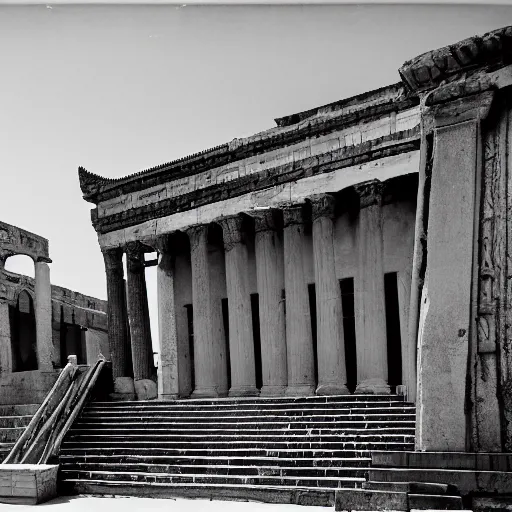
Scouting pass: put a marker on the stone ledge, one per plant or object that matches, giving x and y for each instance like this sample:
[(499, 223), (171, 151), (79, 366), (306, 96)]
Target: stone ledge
[(28, 483)]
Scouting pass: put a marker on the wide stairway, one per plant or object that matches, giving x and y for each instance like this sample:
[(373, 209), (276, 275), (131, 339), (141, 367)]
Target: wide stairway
[(13, 421), (282, 450)]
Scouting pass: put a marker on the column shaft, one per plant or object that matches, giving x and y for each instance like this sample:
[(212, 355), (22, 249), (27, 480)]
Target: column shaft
[(241, 341), (270, 284), (43, 316), (116, 313), (299, 341), (372, 357), (142, 351), (332, 374), (5, 339), (209, 341)]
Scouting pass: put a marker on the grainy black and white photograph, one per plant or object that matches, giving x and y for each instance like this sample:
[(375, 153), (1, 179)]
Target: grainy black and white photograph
[(255, 257)]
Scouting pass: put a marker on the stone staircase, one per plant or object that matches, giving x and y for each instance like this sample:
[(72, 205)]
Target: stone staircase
[(282, 450), (13, 421)]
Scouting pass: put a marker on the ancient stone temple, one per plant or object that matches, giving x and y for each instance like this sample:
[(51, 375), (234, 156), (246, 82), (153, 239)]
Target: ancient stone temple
[(41, 324), (358, 247)]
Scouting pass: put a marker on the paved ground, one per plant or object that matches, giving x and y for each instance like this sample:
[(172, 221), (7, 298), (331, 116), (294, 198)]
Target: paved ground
[(123, 504)]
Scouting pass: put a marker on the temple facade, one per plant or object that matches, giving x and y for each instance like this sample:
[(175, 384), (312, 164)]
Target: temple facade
[(358, 247), (41, 324)]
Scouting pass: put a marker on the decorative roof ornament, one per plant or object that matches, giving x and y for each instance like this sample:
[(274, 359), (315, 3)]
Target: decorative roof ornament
[(90, 183)]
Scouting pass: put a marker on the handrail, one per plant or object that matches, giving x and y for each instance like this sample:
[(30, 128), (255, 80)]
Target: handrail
[(44, 434)]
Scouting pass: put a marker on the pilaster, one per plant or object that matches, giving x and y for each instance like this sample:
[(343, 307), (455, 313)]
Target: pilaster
[(241, 341), (299, 341), (270, 284), (371, 347), (332, 374)]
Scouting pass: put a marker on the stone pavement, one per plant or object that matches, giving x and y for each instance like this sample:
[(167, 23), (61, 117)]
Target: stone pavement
[(129, 504)]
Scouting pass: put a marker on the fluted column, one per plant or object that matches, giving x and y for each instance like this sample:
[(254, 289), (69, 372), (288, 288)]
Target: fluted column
[(371, 346), (299, 341), (270, 283), (116, 313), (43, 314), (241, 341), (142, 351), (210, 366), (332, 374)]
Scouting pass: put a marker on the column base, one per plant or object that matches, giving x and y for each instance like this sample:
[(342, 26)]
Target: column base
[(244, 391), (205, 393), (373, 387), (332, 389), (168, 396), (273, 390), (300, 390)]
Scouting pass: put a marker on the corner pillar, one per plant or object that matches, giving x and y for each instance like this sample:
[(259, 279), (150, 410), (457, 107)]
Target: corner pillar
[(43, 314), (332, 374), (371, 346), (299, 340), (241, 340), (270, 283)]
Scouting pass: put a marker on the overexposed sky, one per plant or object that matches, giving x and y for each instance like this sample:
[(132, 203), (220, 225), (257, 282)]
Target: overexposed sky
[(118, 89)]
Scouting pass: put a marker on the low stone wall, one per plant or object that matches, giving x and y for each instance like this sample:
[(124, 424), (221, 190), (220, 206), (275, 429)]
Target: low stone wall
[(26, 387), (28, 483)]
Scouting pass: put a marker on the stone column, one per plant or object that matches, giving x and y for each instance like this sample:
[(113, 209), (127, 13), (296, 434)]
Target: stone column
[(241, 341), (140, 334), (299, 341), (116, 314), (209, 341), (332, 374), (371, 345), (270, 284), (448, 313), (5, 339), (43, 314), (92, 346)]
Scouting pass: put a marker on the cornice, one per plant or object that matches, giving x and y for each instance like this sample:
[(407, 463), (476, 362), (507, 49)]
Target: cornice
[(96, 188), (491, 51)]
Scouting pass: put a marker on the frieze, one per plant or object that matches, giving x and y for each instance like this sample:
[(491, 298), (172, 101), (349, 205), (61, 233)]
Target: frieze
[(14, 240), (400, 142)]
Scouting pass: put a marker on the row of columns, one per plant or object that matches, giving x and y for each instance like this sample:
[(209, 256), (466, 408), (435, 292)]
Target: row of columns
[(285, 324)]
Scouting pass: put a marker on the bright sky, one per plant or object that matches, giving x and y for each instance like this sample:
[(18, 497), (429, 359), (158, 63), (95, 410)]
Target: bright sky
[(122, 88)]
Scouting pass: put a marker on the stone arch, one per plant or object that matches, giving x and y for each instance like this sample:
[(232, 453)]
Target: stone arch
[(23, 333)]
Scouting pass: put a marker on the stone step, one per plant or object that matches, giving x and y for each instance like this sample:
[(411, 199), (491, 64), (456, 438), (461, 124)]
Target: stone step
[(260, 418), (150, 478), (275, 433), (9, 435), (349, 444), (362, 499), (5, 448), (18, 410), (14, 421), (445, 460), (357, 462), (202, 402), (319, 411), (239, 439), (362, 451), (238, 492), (434, 502), (465, 480), (218, 469), (413, 487)]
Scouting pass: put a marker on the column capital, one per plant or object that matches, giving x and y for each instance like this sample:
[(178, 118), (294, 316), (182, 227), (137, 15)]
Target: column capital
[(322, 205), (232, 232), (264, 219), (370, 193), (135, 256), (113, 258), (293, 214), (162, 243)]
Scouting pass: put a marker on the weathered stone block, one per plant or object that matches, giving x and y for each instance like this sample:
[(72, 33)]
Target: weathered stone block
[(361, 499), (28, 483), (146, 389), (124, 385)]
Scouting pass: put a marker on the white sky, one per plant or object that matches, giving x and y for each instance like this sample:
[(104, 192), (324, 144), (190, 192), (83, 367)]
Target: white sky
[(118, 89)]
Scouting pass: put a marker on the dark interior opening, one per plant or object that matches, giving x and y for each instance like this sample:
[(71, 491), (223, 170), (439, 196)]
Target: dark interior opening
[(349, 330), (255, 310), (190, 324), (225, 319), (72, 342), (312, 311), (393, 330), (23, 334)]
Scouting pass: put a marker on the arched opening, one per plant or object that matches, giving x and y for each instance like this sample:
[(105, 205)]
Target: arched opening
[(23, 333), (20, 264)]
